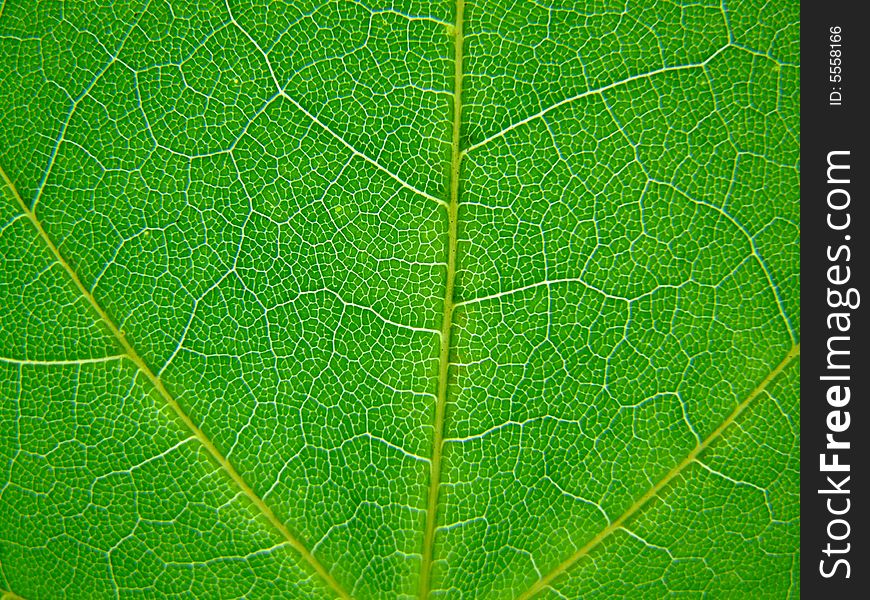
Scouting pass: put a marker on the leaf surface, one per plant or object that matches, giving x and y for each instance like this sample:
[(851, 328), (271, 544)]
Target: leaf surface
[(483, 299)]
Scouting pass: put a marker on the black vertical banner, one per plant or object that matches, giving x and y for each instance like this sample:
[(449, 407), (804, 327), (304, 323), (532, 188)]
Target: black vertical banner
[(835, 226)]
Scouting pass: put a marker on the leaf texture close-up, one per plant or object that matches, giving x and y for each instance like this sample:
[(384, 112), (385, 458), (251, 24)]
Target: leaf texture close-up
[(399, 299)]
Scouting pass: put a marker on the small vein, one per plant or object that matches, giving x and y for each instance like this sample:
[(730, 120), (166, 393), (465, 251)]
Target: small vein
[(729, 479), (170, 400), (187, 325), (362, 155), (569, 562), (756, 254), (409, 17), (364, 308), (646, 543), (593, 92), (388, 444), (322, 125), (547, 283), (75, 103), (61, 363)]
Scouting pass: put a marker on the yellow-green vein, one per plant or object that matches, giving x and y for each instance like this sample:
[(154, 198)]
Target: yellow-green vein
[(447, 319), (6, 594), (133, 356), (664, 481)]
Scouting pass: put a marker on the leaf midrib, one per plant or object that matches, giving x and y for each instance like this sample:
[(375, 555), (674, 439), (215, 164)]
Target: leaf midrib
[(456, 154)]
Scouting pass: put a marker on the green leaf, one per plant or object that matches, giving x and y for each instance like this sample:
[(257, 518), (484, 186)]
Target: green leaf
[(484, 299)]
